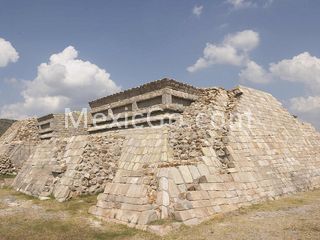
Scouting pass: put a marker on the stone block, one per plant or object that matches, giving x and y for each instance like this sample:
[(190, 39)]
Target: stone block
[(184, 170), (174, 174), (183, 215), (203, 169), (163, 184), (197, 195), (148, 217), (183, 205), (212, 186), (194, 172), (173, 189), (163, 198)]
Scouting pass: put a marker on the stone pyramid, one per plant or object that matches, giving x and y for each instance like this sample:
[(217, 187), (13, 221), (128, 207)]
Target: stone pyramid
[(225, 149)]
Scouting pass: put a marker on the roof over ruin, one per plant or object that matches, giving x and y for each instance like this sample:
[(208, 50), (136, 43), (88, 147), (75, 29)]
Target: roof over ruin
[(145, 88)]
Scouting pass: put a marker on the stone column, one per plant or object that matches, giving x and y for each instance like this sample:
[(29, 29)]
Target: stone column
[(166, 98), (134, 106)]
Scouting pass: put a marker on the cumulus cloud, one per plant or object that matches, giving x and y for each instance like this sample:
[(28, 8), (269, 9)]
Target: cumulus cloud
[(197, 10), (239, 4), (254, 73), (308, 108), (65, 81), (305, 69), (302, 68), (233, 50), (242, 4), (7, 53), (305, 104)]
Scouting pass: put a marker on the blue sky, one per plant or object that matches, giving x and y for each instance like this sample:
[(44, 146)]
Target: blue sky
[(131, 42)]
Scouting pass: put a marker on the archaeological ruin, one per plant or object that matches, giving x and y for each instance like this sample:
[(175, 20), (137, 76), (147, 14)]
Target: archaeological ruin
[(166, 150)]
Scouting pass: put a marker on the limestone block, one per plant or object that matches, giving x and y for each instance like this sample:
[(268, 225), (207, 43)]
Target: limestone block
[(163, 172), (203, 169), (217, 194), (163, 198), (210, 179), (201, 203), (183, 205), (174, 174), (194, 172), (197, 195), (137, 191), (163, 184), (184, 215), (147, 217), (173, 189), (184, 170), (135, 207), (212, 186), (164, 212)]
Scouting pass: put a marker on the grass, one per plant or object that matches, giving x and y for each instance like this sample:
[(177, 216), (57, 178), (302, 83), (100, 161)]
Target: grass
[(4, 176), (292, 217), (68, 220), (22, 227)]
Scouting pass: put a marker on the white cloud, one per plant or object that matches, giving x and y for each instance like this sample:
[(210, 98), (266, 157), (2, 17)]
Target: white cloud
[(246, 40), (302, 68), (305, 69), (64, 81), (268, 3), (7, 53), (305, 104), (254, 73), (197, 10), (240, 4), (308, 108), (233, 50)]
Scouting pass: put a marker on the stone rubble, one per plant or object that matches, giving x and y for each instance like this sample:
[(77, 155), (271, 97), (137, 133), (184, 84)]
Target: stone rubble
[(6, 166)]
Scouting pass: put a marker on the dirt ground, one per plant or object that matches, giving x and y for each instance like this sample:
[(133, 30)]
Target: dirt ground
[(23, 217)]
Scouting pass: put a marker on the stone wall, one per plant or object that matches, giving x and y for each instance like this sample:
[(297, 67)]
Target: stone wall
[(251, 151), (24, 130), (230, 148), (204, 124), (132, 196), (62, 125), (145, 88), (17, 144), (67, 167)]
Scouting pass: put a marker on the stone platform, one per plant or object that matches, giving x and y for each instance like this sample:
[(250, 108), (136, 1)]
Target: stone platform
[(227, 149)]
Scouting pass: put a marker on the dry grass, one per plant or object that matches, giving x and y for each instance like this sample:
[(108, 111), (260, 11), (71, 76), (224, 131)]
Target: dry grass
[(6, 176), (55, 221), (293, 217)]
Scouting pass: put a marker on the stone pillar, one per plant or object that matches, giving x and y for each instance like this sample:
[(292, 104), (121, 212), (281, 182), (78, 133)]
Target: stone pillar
[(134, 106), (166, 98)]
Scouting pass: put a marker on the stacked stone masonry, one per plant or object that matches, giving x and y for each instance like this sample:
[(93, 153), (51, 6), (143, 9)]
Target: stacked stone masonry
[(16, 145), (61, 125), (151, 104), (226, 149), (252, 150)]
